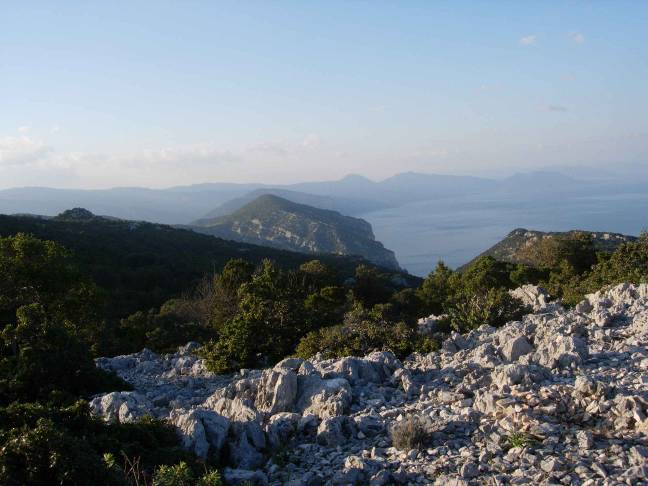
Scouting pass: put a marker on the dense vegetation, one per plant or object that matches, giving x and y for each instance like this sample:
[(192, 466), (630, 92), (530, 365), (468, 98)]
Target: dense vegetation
[(47, 434), (568, 267), (140, 265), (250, 313)]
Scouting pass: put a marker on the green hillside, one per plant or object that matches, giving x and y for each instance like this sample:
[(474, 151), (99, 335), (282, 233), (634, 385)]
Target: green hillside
[(273, 221), (141, 265)]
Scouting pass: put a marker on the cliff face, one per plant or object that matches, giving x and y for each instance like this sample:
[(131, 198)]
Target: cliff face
[(273, 221)]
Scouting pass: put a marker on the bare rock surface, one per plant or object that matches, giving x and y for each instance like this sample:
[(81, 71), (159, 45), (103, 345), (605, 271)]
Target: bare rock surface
[(559, 397)]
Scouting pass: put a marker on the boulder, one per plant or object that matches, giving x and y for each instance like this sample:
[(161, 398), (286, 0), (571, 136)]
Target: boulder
[(335, 431), (373, 368), (246, 437), (281, 428), (534, 297), (516, 374), (244, 446), (322, 398), (485, 402), (292, 364), (560, 351), (370, 425), (513, 348), (429, 325), (277, 391), (122, 407), (203, 432)]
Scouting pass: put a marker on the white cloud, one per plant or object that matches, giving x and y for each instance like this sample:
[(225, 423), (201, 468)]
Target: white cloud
[(23, 129), (311, 140), (207, 154), (577, 37), (528, 40), (21, 150), (272, 149)]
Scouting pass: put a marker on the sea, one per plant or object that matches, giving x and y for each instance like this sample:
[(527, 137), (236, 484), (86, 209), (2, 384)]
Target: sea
[(455, 230)]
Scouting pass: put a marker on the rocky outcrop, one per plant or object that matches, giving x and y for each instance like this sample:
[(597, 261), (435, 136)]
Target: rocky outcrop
[(559, 397)]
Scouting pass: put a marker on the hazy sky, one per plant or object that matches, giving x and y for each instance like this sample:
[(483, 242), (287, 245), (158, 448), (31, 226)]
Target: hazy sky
[(98, 94)]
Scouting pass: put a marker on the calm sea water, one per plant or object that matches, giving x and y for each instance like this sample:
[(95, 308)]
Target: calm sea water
[(456, 230)]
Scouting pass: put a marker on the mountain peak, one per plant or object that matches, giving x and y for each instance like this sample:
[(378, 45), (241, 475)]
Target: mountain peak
[(356, 178)]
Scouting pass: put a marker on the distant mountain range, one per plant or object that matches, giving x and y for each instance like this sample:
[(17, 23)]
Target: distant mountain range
[(422, 217), (277, 222), (351, 195)]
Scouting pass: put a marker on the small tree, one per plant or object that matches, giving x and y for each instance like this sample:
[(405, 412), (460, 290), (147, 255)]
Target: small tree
[(434, 290)]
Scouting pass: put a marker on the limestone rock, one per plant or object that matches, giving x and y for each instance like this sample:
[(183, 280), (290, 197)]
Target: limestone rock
[(277, 391), (121, 407), (516, 347), (323, 398), (558, 397), (203, 432), (335, 431), (281, 427), (561, 351)]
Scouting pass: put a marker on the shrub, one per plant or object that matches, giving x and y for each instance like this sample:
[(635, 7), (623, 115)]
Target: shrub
[(363, 332), (181, 475), (39, 356), (45, 441), (161, 331), (211, 478), (493, 307), (48, 454), (371, 287), (176, 475), (413, 432)]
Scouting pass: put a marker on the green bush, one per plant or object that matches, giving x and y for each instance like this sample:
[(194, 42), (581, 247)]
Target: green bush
[(181, 475), (435, 289), (46, 454), (40, 441), (493, 307), (39, 357), (211, 478), (176, 475), (363, 332), (628, 263), (275, 309)]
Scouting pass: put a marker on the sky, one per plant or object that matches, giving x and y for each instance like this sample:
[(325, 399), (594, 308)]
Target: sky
[(156, 94)]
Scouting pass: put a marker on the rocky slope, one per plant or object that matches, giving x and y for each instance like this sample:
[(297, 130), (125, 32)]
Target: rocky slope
[(272, 221), (560, 397)]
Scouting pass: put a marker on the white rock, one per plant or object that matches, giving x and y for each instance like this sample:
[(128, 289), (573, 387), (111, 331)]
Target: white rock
[(277, 391), (203, 432)]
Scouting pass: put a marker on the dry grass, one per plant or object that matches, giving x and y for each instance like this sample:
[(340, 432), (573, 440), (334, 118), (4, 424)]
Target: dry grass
[(413, 432)]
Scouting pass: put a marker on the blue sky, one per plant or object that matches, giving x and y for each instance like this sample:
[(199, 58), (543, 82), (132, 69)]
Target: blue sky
[(99, 94)]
